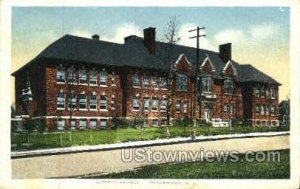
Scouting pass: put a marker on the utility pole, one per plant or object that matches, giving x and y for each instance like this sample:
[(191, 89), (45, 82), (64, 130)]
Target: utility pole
[(198, 36)]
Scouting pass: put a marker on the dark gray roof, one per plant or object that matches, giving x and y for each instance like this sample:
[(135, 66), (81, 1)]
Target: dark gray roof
[(133, 53)]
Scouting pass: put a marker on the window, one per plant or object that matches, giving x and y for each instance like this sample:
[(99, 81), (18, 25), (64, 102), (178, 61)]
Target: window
[(146, 103), (103, 103), (257, 92), (93, 77), (60, 74), (225, 109), (82, 124), (155, 122), (136, 80), (103, 78), (154, 82), (272, 109), (257, 109), (181, 82), (154, 104), (267, 92), (185, 106), (145, 81), (25, 108), (273, 94), (113, 79), (72, 101), (206, 83), (163, 83), (60, 125), (60, 100), (231, 108), (136, 104), (228, 86), (163, 105), (82, 76), (177, 106), (93, 102), (112, 102), (163, 122), (263, 91), (262, 110), (71, 75), (103, 123), (267, 109), (73, 124), (82, 101), (93, 123)]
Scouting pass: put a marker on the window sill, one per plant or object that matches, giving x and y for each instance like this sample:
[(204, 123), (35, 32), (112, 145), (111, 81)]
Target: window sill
[(103, 86), (163, 110), (136, 87), (154, 110), (60, 82), (83, 109), (75, 109), (156, 88), (135, 110), (112, 108), (93, 85), (103, 110), (93, 110), (164, 89), (83, 84), (113, 85), (60, 108)]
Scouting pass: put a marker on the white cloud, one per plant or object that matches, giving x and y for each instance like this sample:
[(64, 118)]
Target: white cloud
[(230, 36), (123, 31), (264, 31), (82, 33)]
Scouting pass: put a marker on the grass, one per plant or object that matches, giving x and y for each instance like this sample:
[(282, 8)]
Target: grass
[(213, 170), (108, 136)]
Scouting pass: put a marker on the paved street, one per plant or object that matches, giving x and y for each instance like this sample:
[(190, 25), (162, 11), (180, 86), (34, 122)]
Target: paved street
[(107, 161)]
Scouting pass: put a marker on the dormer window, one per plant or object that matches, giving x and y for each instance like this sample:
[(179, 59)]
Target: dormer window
[(163, 83), (60, 74), (136, 80), (206, 83), (181, 82), (272, 91), (146, 81), (228, 86), (103, 78), (82, 76), (154, 82)]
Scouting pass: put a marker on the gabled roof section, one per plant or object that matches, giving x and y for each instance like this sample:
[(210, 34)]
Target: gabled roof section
[(133, 53), (205, 61), (227, 66), (182, 56)]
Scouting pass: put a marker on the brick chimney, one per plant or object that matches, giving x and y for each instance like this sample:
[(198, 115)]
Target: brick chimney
[(149, 39), (225, 52), (96, 37)]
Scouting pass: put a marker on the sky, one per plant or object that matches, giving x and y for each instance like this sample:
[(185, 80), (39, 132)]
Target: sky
[(259, 35)]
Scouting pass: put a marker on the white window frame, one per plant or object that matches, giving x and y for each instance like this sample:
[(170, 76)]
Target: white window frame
[(163, 105), (206, 84), (93, 121), (61, 100), (185, 106), (93, 77), (72, 76), (73, 126), (103, 103), (178, 106), (82, 124), (155, 103), (61, 124), (154, 82), (146, 106), (163, 83), (83, 101), (136, 81), (60, 74), (103, 78), (228, 86), (155, 122), (73, 102), (146, 82), (181, 82), (102, 121), (135, 104), (83, 76), (262, 109), (257, 109), (113, 79), (93, 102), (113, 102)]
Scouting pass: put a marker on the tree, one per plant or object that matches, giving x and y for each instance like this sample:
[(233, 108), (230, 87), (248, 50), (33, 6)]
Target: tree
[(284, 111), (171, 38)]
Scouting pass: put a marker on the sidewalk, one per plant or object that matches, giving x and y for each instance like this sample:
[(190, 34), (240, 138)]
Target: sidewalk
[(103, 147)]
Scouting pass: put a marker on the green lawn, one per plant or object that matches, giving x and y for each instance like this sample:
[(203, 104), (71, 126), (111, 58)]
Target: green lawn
[(214, 170), (108, 136)]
